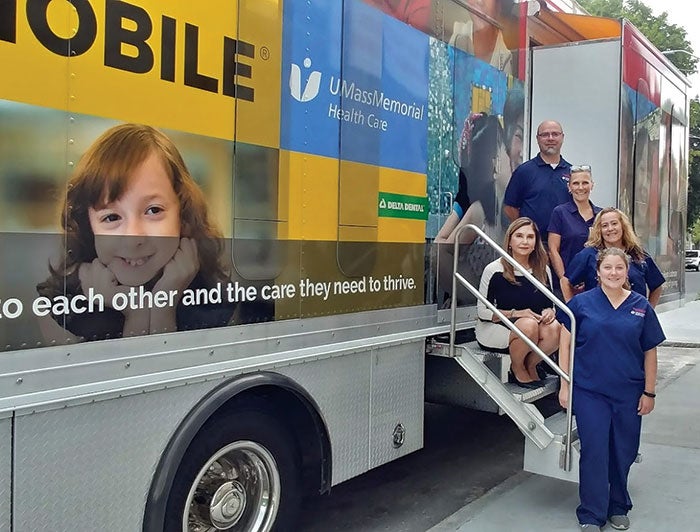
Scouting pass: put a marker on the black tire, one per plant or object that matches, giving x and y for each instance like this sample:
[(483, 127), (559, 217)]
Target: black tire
[(251, 433)]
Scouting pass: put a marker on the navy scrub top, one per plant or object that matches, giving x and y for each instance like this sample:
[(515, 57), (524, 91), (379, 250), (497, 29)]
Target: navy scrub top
[(641, 275), (610, 343)]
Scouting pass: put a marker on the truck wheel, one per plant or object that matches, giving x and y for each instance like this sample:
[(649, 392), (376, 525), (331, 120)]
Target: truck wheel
[(240, 473)]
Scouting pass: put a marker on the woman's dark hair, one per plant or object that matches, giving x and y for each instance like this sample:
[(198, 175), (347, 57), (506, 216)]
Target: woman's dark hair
[(477, 155), (513, 113)]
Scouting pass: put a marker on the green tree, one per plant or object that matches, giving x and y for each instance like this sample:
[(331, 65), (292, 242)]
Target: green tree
[(663, 34), (693, 216), (694, 231)]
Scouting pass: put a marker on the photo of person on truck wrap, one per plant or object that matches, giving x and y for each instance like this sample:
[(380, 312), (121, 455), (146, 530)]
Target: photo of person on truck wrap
[(489, 153), (138, 238)]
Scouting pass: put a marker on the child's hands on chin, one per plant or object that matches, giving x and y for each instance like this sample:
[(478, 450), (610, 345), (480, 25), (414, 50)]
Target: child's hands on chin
[(97, 276), (181, 269)]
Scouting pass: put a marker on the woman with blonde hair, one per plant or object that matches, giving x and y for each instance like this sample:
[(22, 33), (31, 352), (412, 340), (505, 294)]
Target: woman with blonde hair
[(521, 302), (612, 228)]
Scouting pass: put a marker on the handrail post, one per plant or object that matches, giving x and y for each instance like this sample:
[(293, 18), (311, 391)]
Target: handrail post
[(456, 276), (453, 302), (570, 403)]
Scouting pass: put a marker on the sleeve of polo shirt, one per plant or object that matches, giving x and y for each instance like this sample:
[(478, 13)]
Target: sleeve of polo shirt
[(555, 222), (652, 333), (653, 276), (576, 270), (513, 196)]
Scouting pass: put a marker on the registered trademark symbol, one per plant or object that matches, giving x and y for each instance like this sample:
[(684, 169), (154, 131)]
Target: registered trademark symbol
[(265, 53)]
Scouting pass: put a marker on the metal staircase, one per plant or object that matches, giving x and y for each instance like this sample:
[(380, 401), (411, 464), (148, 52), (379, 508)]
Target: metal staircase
[(545, 438), (551, 444)]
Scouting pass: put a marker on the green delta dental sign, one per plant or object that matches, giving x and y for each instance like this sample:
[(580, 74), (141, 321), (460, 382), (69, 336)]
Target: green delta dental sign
[(403, 206)]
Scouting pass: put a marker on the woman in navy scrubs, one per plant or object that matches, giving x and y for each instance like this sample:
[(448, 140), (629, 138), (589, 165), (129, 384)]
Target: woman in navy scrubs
[(570, 224), (614, 381), (612, 228)]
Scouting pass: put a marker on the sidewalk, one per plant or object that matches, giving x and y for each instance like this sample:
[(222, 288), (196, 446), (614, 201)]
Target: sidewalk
[(682, 325), (665, 487)]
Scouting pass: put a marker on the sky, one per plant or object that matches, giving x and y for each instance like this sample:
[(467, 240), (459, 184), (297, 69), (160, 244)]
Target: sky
[(682, 13)]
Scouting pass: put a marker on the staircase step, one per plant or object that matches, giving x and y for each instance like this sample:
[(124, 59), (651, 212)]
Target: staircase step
[(556, 423), (548, 461), (530, 395), (526, 416), (499, 363)]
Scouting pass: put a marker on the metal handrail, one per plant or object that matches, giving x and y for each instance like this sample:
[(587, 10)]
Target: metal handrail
[(456, 276)]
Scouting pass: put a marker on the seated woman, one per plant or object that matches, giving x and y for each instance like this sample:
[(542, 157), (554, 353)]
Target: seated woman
[(521, 302), (612, 229)]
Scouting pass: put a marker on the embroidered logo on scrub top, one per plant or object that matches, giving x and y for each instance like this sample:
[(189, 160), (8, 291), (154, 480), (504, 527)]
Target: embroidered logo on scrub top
[(638, 312)]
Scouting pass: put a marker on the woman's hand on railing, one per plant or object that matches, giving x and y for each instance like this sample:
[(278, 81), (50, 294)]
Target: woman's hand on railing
[(564, 394)]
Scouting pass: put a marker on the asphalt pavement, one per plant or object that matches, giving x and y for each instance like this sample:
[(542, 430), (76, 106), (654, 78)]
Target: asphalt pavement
[(664, 487)]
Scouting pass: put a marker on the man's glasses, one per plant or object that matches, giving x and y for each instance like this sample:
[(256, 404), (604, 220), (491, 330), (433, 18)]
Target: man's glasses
[(580, 168), (550, 134)]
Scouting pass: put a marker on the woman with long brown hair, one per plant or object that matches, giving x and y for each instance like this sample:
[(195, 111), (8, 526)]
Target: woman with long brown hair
[(521, 302)]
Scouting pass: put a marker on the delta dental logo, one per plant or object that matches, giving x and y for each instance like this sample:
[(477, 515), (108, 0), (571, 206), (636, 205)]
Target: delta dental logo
[(352, 95)]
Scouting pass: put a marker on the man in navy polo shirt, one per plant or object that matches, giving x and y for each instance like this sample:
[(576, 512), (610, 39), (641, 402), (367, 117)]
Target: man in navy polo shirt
[(540, 184)]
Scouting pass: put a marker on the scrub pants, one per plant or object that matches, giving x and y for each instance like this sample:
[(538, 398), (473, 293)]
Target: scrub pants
[(609, 430)]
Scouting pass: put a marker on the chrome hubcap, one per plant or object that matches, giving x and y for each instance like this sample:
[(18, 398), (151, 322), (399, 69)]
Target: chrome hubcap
[(237, 490), (227, 505)]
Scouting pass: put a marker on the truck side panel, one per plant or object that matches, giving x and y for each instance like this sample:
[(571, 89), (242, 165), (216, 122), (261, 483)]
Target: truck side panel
[(102, 455), (657, 161), (362, 409), (587, 105), (90, 447), (5, 473)]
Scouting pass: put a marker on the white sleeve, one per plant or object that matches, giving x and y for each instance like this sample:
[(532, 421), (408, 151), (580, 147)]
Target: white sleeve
[(482, 311)]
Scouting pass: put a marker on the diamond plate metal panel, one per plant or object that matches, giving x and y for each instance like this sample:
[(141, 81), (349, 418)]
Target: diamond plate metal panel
[(341, 387), (5, 473), (397, 397), (89, 467)]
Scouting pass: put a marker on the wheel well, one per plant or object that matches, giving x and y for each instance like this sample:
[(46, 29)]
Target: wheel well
[(280, 397), (299, 417)]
